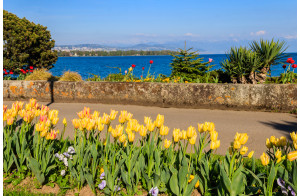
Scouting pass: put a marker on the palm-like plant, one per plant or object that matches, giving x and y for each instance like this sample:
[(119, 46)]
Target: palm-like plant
[(242, 64), (270, 52)]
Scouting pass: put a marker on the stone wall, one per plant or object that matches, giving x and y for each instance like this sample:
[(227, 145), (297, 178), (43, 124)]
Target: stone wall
[(279, 97)]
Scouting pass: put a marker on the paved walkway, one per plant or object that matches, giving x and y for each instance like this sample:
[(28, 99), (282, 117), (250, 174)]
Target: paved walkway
[(258, 125)]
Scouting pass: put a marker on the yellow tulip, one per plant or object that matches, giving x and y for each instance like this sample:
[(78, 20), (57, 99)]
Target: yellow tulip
[(131, 136), (100, 127), (250, 154), (191, 131), (214, 144), (64, 122), (237, 136), (264, 159), (43, 133), (205, 126), (295, 144), (122, 138), (147, 120), (197, 184), (167, 143), (110, 129), (164, 130), (159, 120), (278, 154), (151, 127), (273, 140), (192, 140), (76, 123), (122, 119), (55, 121), (37, 113), (52, 135), (277, 142), (130, 69), (105, 119), (183, 135), (236, 144), (268, 143), (243, 138), (283, 141), (129, 116), (10, 121), (294, 136), (119, 129), (244, 150), (91, 125), (214, 135), (143, 131), (211, 126), (200, 128), (292, 155), (95, 115), (113, 114), (176, 135), (52, 114), (114, 133)]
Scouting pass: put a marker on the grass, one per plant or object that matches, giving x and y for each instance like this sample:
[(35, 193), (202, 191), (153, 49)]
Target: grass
[(22, 193), (70, 77), (40, 74)]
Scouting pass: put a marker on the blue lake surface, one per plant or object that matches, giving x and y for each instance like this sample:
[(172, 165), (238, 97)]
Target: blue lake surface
[(102, 66)]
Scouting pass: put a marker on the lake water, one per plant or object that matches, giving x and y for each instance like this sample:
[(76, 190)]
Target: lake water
[(103, 66)]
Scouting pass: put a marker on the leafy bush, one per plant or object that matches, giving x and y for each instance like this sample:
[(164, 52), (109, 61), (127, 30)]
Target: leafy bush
[(71, 77), (40, 74)]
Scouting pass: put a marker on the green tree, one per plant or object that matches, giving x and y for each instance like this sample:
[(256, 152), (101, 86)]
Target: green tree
[(188, 65), (26, 44)]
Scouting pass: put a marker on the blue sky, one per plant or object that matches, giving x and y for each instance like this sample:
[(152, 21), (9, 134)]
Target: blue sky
[(118, 22)]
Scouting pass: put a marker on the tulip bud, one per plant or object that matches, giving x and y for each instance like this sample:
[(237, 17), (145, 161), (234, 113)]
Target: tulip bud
[(283, 141), (268, 143), (183, 135), (113, 114), (176, 135), (190, 132), (131, 136), (159, 120), (294, 136), (200, 128), (213, 135), (295, 144), (243, 138), (215, 144), (250, 154), (273, 140), (143, 131)]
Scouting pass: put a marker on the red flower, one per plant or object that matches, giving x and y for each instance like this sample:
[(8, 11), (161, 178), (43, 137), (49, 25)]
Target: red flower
[(151, 61), (283, 66), (143, 68), (133, 66), (4, 70), (26, 71), (31, 71), (290, 60), (5, 73), (30, 67), (294, 66), (11, 72)]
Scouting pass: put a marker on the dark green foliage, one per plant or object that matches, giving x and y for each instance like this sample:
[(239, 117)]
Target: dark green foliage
[(26, 44), (188, 65), (252, 65)]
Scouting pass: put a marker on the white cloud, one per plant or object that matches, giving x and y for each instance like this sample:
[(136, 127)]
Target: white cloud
[(290, 37), (261, 32), (189, 34)]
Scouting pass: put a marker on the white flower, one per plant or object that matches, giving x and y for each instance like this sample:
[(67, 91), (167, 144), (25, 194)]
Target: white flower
[(66, 161), (59, 156), (63, 172), (71, 150)]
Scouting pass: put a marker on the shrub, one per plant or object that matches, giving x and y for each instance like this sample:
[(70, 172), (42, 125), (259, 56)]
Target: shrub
[(40, 74), (188, 65), (70, 77), (26, 44)]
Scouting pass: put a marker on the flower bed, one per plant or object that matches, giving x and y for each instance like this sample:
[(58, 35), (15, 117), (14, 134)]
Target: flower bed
[(111, 160)]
